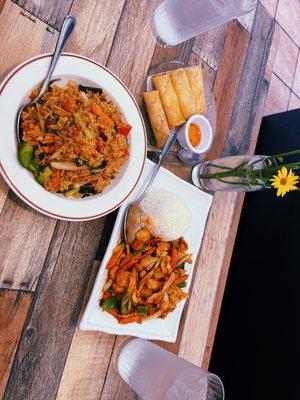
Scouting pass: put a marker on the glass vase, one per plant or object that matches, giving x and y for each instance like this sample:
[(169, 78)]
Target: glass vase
[(235, 173)]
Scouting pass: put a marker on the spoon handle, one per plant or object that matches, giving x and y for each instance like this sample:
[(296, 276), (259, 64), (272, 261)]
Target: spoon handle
[(169, 143), (65, 34)]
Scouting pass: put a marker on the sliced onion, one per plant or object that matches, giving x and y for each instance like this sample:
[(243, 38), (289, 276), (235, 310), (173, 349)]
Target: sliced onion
[(66, 166)]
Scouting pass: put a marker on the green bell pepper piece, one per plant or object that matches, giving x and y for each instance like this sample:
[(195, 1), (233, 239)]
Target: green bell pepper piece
[(109, 304), (142, 309)]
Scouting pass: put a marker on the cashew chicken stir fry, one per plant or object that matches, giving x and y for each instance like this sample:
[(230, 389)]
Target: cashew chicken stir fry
[(145, 279)]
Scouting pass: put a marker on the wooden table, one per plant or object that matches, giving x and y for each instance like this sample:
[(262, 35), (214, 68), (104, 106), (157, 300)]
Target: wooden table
[(48, 266)]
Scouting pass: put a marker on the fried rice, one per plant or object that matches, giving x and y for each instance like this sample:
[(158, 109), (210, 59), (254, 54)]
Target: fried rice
[(76, 139)]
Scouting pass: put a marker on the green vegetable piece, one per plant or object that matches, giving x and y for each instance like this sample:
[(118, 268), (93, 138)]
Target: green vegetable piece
[(71, 192), (109, 304), (137, 252), (34, 167), (182, 284), (142, 309), (87, 189), (44, 175), (181, 266), (86, 89), (89, 133), (25, 154), (124, 303)]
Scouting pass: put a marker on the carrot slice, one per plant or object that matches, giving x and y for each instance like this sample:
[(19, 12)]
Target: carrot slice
[(129, 264), (179, 279), (115, 257), (106, 295), (115, 314), (133, 318), (68, 105)]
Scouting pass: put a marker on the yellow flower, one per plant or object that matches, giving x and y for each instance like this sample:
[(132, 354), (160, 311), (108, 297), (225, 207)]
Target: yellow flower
[(284, 181)]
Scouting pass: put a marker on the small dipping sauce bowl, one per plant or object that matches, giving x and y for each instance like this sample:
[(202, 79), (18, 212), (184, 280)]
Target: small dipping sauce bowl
[(205, 134)]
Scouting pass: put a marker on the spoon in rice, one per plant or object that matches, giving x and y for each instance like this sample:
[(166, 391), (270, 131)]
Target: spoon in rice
[(134, 206), (67, 29)]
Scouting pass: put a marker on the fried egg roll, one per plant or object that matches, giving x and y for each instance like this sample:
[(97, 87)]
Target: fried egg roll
[(157, 117), (195, 78), (169, 99), (184, 92)]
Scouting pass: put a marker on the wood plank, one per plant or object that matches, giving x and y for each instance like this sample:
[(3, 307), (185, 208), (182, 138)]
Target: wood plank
[(49, 328), (90, 38), (209, 45), (251, 85), (52, 12), (133, 45), (15, 29), (215, 264), (88, 359), (227, 83), (25, 236), (14, 306), (247, 20)]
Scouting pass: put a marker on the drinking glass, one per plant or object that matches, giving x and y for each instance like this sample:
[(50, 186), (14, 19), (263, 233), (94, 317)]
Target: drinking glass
[(248, 180), (175, 21), (156, 374)]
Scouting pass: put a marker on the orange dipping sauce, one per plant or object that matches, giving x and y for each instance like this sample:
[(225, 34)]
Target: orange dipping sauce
[(194, 134)]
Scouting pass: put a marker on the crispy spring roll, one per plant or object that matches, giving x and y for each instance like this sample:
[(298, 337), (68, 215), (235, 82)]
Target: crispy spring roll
[(184, 92), (195, 78), (169, 99), (157, 117)]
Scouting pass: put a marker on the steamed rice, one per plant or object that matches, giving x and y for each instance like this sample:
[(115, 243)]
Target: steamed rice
[(169, 213)]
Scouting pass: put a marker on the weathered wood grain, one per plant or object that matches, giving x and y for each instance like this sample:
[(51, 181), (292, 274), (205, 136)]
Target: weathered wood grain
[(209, 45), (52, 12), (133, 45), (87, 361), (247, 20), (14, 306), (25, 237), (227, 82), (96, 26), (50, 325), (251, 85), (16, 32)]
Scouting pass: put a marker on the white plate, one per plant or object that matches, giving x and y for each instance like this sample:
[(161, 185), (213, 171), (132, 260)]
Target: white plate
[(14, 92), (160, 329)]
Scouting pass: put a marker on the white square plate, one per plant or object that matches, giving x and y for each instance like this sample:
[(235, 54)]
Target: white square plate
[(159, 329)]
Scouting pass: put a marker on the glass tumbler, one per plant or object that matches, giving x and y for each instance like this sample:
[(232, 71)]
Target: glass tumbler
[(156, 374), (175, 21)]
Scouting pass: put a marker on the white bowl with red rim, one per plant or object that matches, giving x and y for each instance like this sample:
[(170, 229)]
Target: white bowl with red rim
[(14, 91)]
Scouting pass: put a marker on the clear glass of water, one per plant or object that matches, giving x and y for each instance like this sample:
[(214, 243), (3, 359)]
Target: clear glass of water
[(156, 374), (175, 21), (248, 180)]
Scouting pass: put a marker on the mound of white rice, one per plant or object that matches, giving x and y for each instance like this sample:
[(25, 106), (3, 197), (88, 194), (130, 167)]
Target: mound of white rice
[(169, 213)]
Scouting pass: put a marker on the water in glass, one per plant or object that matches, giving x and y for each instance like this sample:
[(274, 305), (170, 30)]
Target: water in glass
[(175, 21), (154, 373)]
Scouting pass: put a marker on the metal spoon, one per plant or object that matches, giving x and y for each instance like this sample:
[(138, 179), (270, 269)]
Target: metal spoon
[(169, 143), (188, 158), (67, 29)]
